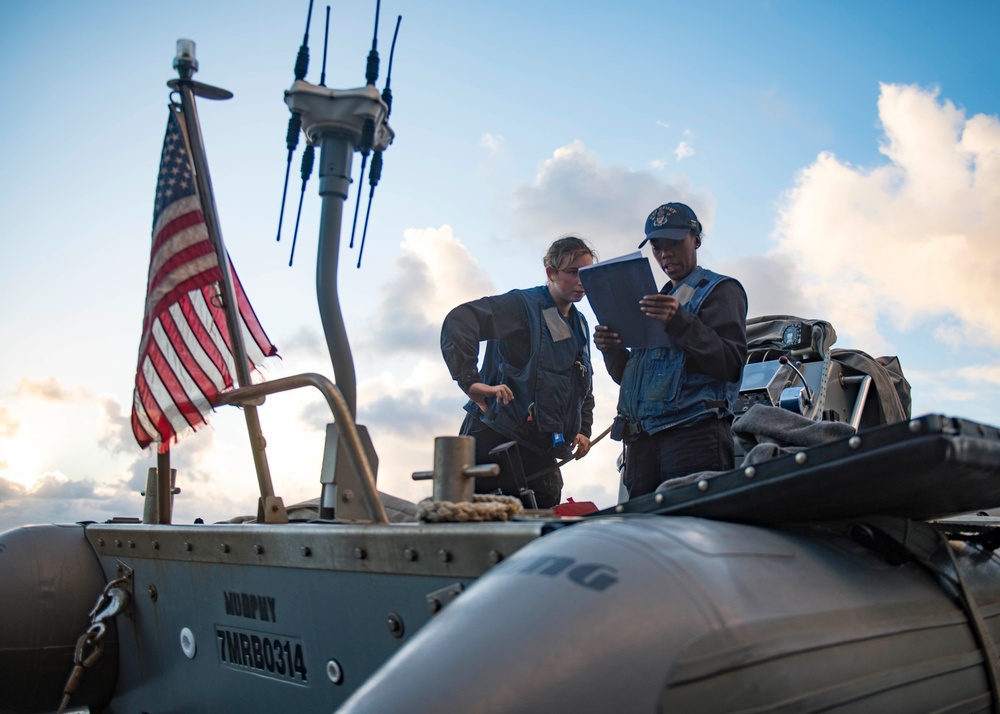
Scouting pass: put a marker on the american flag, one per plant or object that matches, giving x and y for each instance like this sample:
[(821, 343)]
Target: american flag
[(185, 356)]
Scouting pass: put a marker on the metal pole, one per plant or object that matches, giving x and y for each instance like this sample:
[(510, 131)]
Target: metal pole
[(204, 181), (336, 154), (452, 456), (164, 488)]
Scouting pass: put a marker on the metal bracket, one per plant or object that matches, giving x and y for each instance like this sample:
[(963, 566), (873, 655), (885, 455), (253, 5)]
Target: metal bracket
[(437, 600), (126, 576)]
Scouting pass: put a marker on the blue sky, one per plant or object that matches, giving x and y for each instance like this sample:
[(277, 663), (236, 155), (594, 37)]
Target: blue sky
[(844, 158)]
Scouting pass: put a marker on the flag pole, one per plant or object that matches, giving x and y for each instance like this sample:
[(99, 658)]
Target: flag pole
[(164, 487), (270, 508)]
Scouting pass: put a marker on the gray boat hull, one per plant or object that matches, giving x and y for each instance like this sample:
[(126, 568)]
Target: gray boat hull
[(688, 615)]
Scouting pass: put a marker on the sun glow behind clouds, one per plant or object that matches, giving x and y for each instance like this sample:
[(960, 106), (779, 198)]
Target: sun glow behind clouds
[(81, 442), (26, 444)]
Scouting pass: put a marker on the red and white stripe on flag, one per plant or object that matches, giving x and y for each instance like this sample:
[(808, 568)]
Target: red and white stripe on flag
[(185, 355)]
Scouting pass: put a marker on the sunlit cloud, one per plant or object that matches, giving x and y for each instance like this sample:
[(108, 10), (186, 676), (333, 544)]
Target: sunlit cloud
[(913, 240), (53, 498), (572, 191), (433, 273), (50, 390), (9, 426), (942, 388), (771, 283), (57, 486), (979, 373), (10, 489), (115, 427)]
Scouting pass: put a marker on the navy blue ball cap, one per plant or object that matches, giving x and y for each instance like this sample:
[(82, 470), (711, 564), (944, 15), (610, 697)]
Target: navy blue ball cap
[(672, 221)]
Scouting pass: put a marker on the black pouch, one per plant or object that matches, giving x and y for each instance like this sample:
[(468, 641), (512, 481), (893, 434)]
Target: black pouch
[(619, 428)]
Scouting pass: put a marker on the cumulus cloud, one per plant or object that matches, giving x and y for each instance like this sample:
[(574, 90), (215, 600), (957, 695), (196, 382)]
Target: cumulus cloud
[(772, 285), (115, 426), (432, 274), (683, 150), (981, 373), (50, 390), (10, 490), (9, 426), (57, 486), (911, 242), (423, 404), (607, 204), (53, 498), (305, 341)]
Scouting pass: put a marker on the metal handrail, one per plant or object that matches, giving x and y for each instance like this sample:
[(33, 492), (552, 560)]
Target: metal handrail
[(342, 417)]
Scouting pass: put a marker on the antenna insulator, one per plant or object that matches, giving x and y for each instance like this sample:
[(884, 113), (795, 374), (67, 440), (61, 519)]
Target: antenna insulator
[(371, 73)]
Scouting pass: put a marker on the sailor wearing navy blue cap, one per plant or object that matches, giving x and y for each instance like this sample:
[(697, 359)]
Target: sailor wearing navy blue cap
[(675, 405)]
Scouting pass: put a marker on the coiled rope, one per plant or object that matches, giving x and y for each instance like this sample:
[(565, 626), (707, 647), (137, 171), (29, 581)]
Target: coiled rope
[(483, 507)]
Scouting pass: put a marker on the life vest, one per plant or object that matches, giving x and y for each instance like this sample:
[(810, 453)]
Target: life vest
[(657, 392), (550, 388)]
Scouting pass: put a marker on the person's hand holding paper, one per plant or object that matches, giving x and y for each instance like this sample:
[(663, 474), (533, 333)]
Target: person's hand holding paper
[(659, 307), (616, 289)]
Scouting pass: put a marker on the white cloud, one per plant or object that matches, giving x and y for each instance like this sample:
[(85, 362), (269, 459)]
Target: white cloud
[(9, 425), (683, 150), (913, 241), (305, 341), (494, 143), (53, 497), (50, 390), (573, 192), (771, 284), (433, 273), (981, 373), (115, 427)]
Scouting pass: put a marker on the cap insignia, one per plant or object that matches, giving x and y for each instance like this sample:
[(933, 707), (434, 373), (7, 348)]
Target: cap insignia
[(662, 214)]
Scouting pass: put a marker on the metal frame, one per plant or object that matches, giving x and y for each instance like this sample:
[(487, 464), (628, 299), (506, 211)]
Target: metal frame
[(363, 476)]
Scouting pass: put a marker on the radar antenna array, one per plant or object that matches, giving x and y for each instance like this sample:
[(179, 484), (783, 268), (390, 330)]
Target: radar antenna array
[(295, 121), (376, 169), (366, 141), (309, 154), (368, 130)]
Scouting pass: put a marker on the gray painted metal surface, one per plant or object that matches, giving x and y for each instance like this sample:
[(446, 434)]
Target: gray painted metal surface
[(290, 618), (680, 614)]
